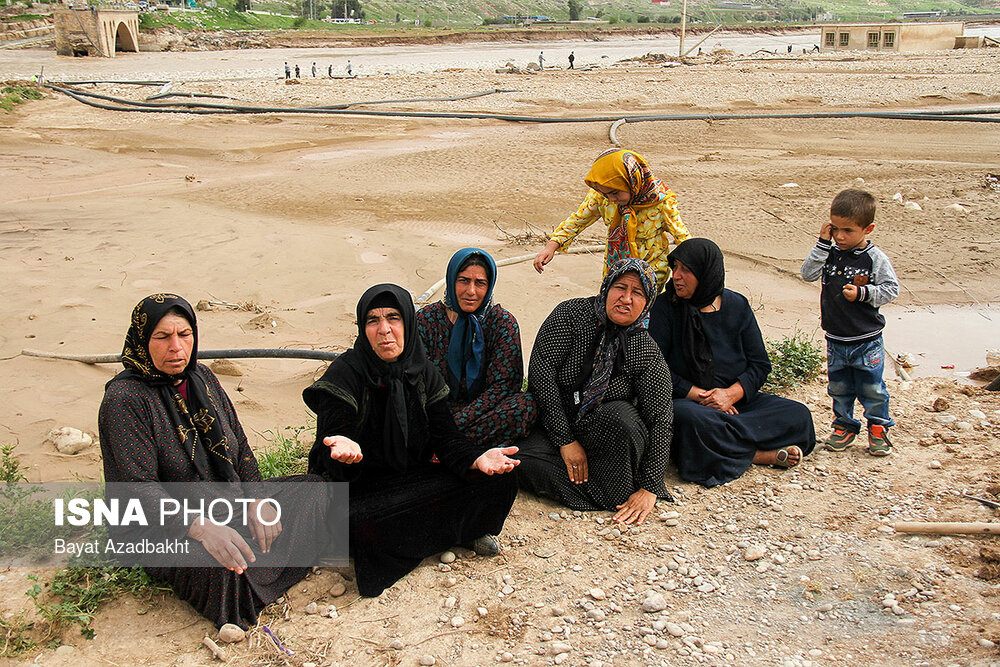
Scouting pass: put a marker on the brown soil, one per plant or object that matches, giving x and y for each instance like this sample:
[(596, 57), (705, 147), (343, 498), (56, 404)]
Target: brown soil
[(298, 214)]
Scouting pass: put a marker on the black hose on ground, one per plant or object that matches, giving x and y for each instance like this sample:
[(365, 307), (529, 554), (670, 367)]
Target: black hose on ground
[(250, 353), (968, 115)]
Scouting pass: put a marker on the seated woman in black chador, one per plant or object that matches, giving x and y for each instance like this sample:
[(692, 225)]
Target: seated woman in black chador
[(382, 417), (166, 418), (709, 336), (603, 395)]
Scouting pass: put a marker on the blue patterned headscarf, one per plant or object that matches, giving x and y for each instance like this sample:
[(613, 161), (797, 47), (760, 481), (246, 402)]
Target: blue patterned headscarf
[(467, 346), (611, 338)]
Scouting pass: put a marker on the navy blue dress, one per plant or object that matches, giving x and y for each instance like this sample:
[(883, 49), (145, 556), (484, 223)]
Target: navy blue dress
[(711, 447)]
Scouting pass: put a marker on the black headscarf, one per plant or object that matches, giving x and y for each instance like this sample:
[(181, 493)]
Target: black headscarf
[(410, 373), (196, 418), (704, 259), (611, 338)]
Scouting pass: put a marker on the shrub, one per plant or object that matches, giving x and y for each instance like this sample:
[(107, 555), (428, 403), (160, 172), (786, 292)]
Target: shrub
[(285, 454), (795, 359)]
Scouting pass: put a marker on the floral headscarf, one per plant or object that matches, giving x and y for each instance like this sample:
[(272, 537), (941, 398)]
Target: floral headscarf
[(627, 171)]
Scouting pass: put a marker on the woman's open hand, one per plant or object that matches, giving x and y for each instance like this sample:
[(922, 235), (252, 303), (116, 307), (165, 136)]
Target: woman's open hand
[(636, 508), (343, 449), (225, 545), (496, 461), (575, 458)]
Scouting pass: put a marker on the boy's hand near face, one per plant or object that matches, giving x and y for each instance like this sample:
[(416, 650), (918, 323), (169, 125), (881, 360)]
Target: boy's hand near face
[(851, 292), (826, 231)]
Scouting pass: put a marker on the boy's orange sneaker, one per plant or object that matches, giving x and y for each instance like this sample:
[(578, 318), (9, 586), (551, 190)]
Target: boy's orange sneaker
[(878, 441), (840, 439)]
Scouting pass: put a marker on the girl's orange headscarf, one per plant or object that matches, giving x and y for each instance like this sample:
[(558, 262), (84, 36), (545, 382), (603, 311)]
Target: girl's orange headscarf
[(627, 171)]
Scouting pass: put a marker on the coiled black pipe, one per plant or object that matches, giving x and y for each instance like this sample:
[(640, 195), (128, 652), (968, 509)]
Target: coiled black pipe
[(969, 115)]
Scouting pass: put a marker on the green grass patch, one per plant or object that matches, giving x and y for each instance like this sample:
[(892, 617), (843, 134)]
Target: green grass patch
[(14, 94), (795, 360), (23, 17), (285, 454), (76, 593)]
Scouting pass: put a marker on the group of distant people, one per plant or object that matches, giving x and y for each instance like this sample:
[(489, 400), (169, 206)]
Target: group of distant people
[(315, 70), (428, 420)]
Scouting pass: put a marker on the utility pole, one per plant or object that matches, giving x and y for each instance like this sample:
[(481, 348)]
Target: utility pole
[(684, 17)]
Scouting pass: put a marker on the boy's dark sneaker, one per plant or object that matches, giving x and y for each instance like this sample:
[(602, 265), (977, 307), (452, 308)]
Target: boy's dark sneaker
[(878, 441), (840, 439)]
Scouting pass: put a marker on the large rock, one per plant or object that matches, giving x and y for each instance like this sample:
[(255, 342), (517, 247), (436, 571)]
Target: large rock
[(69, 440)]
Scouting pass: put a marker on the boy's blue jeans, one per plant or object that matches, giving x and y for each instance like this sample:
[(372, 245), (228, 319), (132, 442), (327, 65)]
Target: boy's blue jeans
[(855, 372)]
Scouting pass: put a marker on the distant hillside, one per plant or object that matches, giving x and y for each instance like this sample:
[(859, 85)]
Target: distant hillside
[(438, 14)]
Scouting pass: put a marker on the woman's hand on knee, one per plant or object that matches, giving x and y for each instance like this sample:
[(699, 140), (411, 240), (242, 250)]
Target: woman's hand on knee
[(343, 449), (264, 533), (575, 458), (496, 461), (636, 508), (225, 545), (720, 399)]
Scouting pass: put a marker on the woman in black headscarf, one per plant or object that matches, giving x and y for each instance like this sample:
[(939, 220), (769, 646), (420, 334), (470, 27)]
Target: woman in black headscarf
[(603, 395), (166, 418), (711, 341), (417, 486)]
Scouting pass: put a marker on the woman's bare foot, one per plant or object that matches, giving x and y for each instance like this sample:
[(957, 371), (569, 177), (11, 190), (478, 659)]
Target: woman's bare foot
[(786, 457)]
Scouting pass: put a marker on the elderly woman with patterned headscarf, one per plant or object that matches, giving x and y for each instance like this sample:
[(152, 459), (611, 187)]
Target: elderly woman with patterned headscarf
[(165, 419), (709, 336), (603, 393), (639, 210), (383, 425), (476, 345)]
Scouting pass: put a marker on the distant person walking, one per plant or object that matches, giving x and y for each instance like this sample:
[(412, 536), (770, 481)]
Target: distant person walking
[(288, 70), (789, 48), (314, 70), (329, 71), (571, 59), (349, 68), (541, 60), (296, 70)]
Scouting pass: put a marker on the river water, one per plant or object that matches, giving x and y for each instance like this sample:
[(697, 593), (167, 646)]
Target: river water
[(366, 61)]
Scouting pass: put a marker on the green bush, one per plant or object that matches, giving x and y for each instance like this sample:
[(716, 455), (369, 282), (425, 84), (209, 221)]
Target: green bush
[(795, 359), (285, 454), (10, 96), (299, 21)]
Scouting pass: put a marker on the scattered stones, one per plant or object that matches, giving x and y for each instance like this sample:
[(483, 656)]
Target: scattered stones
[(754, 552), (69, 440), (338, 589), (428, 660), (963, 426), (312, 608), (978, 414), (457, 622), (597, 594), (912, 206), (506, 656), (675, 630), (934, 465), (940, 404), (448, 557), (231, 633), (956, 208)]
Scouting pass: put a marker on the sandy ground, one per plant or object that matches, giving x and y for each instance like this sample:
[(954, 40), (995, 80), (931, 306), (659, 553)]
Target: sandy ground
[(297, 215)]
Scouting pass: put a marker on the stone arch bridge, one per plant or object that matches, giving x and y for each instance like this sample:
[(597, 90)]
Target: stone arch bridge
[(94, 31)]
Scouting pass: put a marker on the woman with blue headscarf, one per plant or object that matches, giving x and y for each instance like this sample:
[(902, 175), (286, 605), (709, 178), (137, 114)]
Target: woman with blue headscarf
[(476, 345)]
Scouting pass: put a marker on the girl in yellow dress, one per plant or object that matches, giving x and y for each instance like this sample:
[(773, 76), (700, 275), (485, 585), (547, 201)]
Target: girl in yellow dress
[(638, 209)]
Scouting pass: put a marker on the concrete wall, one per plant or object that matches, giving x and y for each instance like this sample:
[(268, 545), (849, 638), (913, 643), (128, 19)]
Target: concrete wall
[(891, 37)]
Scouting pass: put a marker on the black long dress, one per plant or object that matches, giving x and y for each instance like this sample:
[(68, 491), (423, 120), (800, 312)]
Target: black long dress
[(403, 512), (626, 438), (711, 447), (139, 443)]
